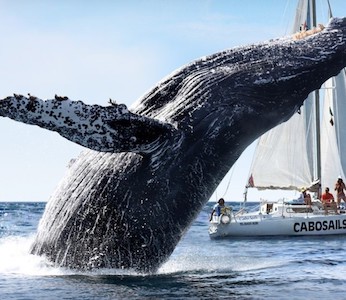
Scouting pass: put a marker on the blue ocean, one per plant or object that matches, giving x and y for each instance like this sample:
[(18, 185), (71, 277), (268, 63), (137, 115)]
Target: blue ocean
[(200, 268)]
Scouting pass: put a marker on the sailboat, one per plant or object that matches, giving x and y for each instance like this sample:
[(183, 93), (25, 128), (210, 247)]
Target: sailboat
[(304, 153)]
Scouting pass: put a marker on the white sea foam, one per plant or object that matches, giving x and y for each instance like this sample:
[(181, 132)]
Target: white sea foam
[(193, 259), (15, 258)]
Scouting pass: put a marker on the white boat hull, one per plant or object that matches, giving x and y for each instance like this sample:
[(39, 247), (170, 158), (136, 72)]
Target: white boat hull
[(276, 224), (328, 225)]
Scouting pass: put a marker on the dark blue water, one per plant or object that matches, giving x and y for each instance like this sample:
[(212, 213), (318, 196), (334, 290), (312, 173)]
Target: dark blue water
[(200, 268)]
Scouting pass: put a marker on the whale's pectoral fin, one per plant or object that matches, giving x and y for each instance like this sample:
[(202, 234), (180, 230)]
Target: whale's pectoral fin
[(109, 129)]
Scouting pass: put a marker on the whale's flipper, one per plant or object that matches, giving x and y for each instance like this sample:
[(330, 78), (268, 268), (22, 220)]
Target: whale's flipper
[(107, 129)]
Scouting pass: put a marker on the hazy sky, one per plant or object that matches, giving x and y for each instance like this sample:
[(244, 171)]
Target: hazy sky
[(96, 50)]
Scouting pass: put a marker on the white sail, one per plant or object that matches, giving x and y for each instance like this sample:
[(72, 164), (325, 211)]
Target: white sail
[(287, 156), (333, 130), (282, 157)]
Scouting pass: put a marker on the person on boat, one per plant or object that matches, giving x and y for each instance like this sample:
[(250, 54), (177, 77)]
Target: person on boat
[(306, 196), (328, 201), (218, 208), (300, 199), (339, 188)]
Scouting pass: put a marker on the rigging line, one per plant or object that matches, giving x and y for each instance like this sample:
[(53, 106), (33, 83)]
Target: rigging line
[(229, 181), (283, 18), (330, 13), (323, 18)]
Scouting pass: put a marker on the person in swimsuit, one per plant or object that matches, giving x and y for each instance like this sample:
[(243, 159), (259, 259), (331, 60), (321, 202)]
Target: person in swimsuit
[(339, 188)]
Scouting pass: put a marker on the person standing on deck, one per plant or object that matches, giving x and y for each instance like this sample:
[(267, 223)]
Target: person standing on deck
[(339, 188)]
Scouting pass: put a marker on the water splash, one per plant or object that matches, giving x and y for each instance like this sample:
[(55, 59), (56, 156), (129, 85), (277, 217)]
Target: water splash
[(194, 259), (15, 258)]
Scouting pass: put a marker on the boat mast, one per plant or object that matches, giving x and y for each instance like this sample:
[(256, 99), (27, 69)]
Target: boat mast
[(317, 109)]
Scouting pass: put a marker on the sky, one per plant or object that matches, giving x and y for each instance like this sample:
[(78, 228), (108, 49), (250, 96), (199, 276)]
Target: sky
[(96, 50)]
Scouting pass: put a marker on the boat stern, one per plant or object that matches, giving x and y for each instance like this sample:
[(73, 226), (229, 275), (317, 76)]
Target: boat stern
[(218, 225)]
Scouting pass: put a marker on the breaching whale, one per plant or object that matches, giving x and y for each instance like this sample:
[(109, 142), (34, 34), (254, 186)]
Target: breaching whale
[(127, 200)]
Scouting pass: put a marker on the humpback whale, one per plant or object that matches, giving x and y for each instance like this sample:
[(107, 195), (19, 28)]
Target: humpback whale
[(128, 198)]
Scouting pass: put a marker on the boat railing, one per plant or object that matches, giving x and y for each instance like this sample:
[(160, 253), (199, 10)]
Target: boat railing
[(244, 210), (296, 208), (293, 208)]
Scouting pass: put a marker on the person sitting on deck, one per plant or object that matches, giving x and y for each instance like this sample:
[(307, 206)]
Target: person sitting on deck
[(306, 196), (218, 208), (328, 201)]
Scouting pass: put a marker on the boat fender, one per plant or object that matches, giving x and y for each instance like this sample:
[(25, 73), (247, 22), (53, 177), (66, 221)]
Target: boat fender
[(225, 219)]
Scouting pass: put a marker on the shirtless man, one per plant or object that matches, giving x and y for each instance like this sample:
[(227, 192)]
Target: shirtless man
[(339, 188)]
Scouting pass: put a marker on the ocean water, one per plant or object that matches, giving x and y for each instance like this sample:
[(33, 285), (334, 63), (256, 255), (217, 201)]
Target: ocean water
[(200, 268)]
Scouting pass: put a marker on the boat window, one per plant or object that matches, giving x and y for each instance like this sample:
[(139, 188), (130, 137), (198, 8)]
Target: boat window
[(269, 208)]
